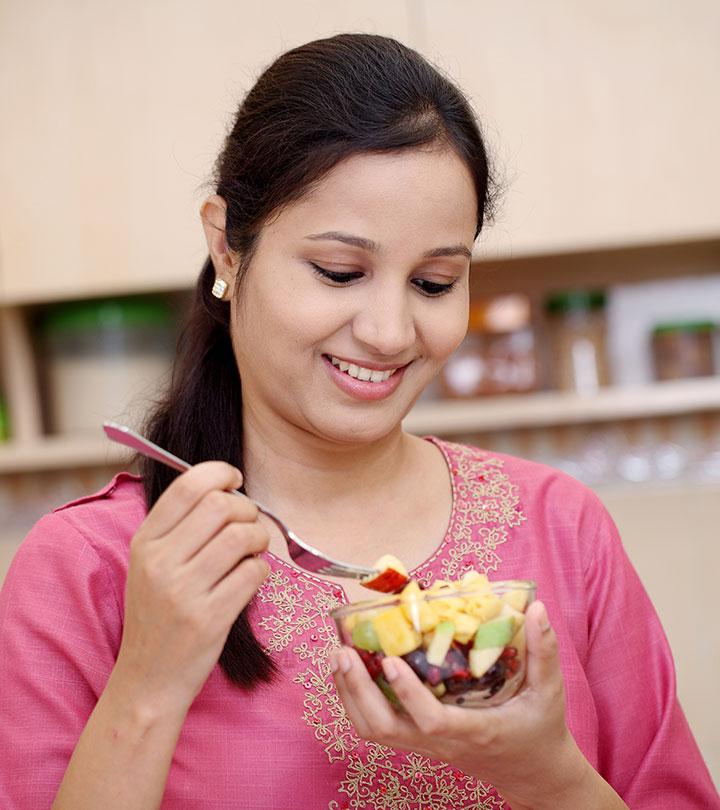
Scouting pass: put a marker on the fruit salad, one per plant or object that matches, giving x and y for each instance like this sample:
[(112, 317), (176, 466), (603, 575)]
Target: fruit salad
[(465, 639)]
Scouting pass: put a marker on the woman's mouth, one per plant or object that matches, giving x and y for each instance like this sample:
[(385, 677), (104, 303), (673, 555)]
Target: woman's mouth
[(361, 372), (362, 382)]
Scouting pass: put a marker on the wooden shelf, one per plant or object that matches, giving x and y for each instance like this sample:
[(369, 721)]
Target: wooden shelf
[(60, 453), (549, 408), (450, 418)]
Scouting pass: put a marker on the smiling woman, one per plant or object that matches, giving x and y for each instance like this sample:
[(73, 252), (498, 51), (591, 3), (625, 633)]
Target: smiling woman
[(158, 645)]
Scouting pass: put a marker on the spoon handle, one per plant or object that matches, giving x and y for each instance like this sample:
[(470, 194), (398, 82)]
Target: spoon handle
[(124, 435)]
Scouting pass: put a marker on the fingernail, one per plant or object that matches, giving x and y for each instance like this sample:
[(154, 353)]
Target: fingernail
[(332, 660), (543, 620), (390, 669), (345, 661)]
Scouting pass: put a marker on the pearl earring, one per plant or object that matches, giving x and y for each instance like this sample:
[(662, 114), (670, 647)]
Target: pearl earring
[(219, 287)]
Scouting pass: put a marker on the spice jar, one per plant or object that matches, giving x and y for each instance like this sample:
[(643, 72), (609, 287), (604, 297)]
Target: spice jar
[(576, 320), (104, 359), (683, 349), (497, 355)]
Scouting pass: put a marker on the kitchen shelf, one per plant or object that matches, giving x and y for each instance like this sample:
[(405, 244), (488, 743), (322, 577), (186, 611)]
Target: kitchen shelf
[(60, 453), (549, 408), (543, 409)]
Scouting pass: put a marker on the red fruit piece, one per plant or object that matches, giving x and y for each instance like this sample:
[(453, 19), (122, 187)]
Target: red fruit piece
[(391, 575), (387, 581), (372, 661), (513, 665), (508, 653)]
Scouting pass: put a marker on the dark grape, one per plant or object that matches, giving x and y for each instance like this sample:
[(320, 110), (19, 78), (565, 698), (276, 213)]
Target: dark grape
[(418, 663), (495, 673)]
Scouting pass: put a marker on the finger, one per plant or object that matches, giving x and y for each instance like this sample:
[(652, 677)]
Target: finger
[(424, 709), (224, 551), (543, 662), (339, 662), (235, 590), (370, 707), (214, 512), (186, 491)]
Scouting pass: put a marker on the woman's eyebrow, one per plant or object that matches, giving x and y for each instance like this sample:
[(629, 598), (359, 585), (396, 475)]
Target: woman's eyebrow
[(373, 247)]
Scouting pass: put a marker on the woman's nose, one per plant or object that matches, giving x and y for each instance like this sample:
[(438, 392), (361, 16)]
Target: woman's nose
[(385, 324)]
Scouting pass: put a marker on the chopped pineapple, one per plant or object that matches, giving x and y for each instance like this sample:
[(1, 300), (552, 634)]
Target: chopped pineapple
[(518, 641), (472, 579), (517, 599), (517, 616), (397, 636), (465, 627), (417, 611), (484, 607)]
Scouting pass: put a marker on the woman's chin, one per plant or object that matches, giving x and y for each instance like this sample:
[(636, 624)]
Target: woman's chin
[(355, 431)]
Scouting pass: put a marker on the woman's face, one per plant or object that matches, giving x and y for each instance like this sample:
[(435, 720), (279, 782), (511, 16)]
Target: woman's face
[(366, 277)]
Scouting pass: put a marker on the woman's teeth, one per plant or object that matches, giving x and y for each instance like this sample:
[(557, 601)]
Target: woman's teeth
[(361, 373)]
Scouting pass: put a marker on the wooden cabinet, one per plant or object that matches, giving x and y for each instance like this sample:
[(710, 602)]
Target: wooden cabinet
[(112, 117), (600, 116)]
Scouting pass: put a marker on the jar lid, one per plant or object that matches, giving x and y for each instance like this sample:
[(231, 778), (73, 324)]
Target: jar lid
[(4, 427), (502, 313), (575, 301), (106, 313), (683, 326)]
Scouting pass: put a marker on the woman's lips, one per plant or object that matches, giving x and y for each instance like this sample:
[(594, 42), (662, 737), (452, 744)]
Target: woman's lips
[(363, 389)]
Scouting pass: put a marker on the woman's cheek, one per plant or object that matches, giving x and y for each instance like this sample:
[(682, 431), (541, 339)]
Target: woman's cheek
[(448, 334)]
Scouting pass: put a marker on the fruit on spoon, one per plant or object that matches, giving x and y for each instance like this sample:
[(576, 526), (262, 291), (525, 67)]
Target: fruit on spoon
[(391, 576)]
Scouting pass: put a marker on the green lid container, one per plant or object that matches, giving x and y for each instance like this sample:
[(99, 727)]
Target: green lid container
[(106, 314), (687, 327), (575, 301), (4, 422)]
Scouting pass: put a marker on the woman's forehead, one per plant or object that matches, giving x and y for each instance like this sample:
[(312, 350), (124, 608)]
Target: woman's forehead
[(421, 192)]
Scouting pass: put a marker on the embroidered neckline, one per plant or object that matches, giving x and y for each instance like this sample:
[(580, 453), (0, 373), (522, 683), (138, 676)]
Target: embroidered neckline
[(336, 587), (295, 623)]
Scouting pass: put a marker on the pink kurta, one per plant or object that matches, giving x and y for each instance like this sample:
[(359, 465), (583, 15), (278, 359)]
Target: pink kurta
[(289, 745)]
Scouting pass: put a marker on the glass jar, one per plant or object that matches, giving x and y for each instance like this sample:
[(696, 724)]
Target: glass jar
[(576, 320), (104, 359), (497, 355), (683, 349)]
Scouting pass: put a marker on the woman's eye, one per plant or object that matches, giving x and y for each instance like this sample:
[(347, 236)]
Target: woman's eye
[(336, 278), (432, 288)]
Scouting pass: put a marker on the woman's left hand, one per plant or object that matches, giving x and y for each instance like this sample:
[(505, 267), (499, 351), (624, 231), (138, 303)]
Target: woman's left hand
[(522, 747)]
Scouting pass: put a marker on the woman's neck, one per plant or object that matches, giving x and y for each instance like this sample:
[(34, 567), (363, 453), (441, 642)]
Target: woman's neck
[(286, 466)]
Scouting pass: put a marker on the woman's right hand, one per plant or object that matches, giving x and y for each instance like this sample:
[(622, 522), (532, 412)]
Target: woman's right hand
[(191, 572)]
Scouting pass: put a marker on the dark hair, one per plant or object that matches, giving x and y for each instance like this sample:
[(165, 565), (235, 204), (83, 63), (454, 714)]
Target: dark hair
[(313, 107)]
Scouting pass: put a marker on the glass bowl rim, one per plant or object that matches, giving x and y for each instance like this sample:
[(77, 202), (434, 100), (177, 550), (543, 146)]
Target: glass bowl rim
[(392, 599)]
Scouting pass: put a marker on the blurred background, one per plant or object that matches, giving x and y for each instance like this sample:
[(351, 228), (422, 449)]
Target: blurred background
[(594, 341)]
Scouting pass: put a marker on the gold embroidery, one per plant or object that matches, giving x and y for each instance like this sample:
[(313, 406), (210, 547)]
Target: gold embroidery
[(485, 506)]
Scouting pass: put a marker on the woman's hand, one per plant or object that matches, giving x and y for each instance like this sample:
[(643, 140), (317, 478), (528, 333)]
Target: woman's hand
[(522, 747), (191, 572)]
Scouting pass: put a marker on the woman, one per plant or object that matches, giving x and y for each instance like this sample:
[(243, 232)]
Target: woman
[(348, 197)]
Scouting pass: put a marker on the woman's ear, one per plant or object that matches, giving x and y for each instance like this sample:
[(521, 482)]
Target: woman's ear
[(212, 213)]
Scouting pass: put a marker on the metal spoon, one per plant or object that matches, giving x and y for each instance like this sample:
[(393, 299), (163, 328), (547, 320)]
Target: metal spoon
[(303, 554)]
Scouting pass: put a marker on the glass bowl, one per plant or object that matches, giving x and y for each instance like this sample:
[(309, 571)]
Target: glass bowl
[(465, 640)]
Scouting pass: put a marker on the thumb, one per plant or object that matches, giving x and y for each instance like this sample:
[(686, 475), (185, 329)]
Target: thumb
[(543, 662)]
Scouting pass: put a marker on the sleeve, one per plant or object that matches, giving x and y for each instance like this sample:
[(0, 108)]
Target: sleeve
[(647, 751), (60, 630)]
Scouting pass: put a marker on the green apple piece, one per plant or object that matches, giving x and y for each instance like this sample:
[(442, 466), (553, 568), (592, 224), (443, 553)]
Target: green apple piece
[(495, 633), (365, 638), (482, 660), (440, 643)]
